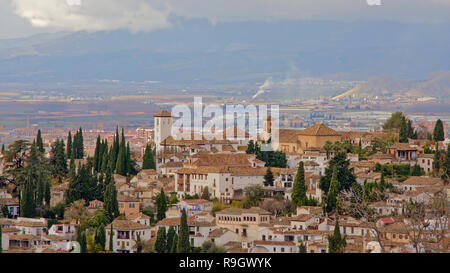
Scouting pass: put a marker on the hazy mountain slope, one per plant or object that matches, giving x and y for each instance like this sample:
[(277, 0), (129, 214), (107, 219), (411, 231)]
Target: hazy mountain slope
[(196, 52)]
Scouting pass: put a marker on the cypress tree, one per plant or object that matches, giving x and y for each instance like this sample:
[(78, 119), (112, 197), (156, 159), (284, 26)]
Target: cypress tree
[(69, 145), (47, 194), (39, 142), (416, 171), (333, 191), (302, 248), (3, 148), (438, 132), (97, 155), (403, 132), (128, 159), (83, 243), (173, 249), (111, 239), (162, 205), (299, 187), (111, 205), (149, 160), (105, 160), (121, 161), (100, 236), (183, 245), (170, 236), (161, 240), (336, 244), (268, 178), (27, 202), (436, 161)]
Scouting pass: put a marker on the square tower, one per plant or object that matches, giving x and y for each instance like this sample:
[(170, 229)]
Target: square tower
[(163, 127)]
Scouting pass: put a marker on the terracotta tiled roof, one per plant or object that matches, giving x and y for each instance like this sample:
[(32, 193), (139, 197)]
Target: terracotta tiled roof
[(163, 114), (274, 243), (422, 180), (319, 129), (124, 198), (126, 225)]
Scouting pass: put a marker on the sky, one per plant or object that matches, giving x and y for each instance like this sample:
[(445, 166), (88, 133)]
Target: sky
[(20, 18)]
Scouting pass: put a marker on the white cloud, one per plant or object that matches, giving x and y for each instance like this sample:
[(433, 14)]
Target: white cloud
[(148, 15), (93, 15)]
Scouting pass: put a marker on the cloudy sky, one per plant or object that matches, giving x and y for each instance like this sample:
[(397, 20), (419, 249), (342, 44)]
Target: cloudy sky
[(20, 18)]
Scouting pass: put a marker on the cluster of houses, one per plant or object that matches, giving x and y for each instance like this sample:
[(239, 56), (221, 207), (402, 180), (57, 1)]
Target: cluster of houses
[(224, 169)]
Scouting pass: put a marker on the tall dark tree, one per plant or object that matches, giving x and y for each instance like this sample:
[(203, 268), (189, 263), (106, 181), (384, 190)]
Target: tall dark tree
[(149, 160), (336, 243), (436, 161), (1, 243), (83, 243), (39, 142), (184, 245), (121, 162), (161, 205), (111, 205), (416, 171), (403, 134), (161, 240), (173, 249), (438, 132), (69, 145), (333, 191), (268, 178), (345, 174), (446, 167), (111, 239), (302, 248), (250, 147), (100, 236), (97, 155), (299, 187), (170, 236)]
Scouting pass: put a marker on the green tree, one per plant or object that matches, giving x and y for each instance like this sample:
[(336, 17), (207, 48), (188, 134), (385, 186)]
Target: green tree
[(416, 171), (183, 239), (436, 161), (69, 145), (302, 248), (345, 174), (161, 205), (111, 239), (170, 237), (333, 191), (173, 249), (403, 132), (97, 155), (121, 163), (83, 243), (100, 236), (328, 147), (149, 160), (395, 121), (336, 243), (250, 147), (161, 240), (111, 205), (438, 132), (268, 178), (299, 187), (39, 142), (445, 175)]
